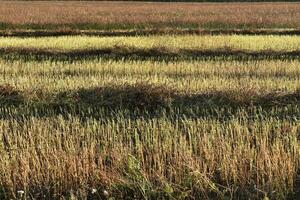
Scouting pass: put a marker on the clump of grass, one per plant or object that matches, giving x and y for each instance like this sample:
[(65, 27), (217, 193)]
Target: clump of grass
[(241, 97), (151, 97), (279, 97), (238, 97), (9, 95), (141, 96)]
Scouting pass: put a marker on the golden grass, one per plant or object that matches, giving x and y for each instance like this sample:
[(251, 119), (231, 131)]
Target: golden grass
[(147, 158), (168, 42), (153, 47), (112, 149), (184, 76)]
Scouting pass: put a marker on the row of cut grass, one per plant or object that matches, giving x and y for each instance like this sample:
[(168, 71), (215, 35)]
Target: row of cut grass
[(151, 48), (171, 42), (187, 77)]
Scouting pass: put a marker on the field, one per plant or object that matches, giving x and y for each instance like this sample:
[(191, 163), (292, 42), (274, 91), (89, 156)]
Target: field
[(106, 113), (151, 47), (21, 18)]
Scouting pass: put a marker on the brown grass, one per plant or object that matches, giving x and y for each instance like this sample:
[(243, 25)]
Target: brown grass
[(150, 97), (146, 32), (114, 15), (9, 95), (145, 96), (131, 96), (127, 52)]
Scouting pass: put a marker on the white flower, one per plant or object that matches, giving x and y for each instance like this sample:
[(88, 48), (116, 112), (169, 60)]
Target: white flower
[(20, 192), (94, 191), (105, 193)]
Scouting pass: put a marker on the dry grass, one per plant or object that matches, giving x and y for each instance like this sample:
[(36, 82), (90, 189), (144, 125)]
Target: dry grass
[(147, 32), (132, 129), (150, 97), (120, 15), (225, 129), (141, 54), (180, 158), (9, 95), (154, 47), (142, 96), (167, 43)]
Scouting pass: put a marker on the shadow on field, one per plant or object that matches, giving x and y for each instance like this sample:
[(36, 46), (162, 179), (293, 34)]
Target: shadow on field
[(10, 96), (297, 182), (151, 97), (132, 53), (230, 74), (243, 97), (148, 100), (139, 96), (144, 32)]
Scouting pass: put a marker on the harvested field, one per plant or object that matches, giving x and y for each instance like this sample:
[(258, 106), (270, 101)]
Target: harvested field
[(111, 126), (138, 15), (135, 100)]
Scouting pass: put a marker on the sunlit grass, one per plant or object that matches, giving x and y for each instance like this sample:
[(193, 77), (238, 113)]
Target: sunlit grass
[(184, 76), (171, 43)]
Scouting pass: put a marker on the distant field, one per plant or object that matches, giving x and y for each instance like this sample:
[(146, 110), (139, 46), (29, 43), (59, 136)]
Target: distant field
[(138, 15)]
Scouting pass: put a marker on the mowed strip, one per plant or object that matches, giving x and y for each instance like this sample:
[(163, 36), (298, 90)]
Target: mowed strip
[(153, 46), (116, 83)]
